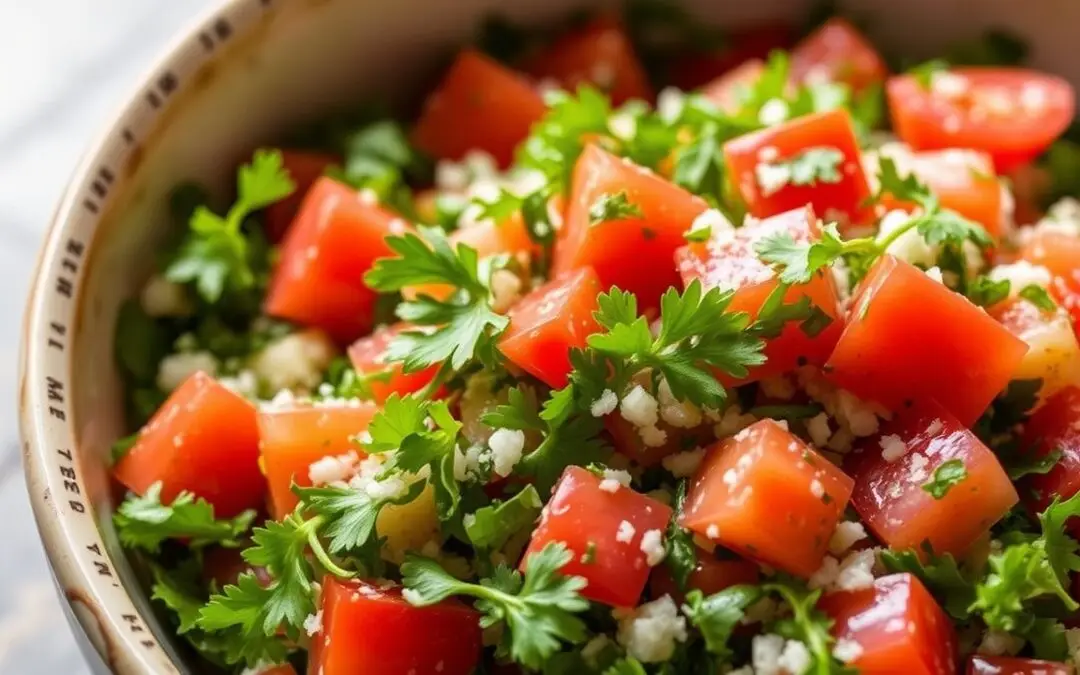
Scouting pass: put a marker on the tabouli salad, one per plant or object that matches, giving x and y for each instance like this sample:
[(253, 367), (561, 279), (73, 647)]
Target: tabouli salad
[(641, 348)]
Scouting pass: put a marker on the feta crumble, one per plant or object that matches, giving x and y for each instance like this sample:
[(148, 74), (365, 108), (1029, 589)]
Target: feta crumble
[(614, 479), (295, 361), (795, 658), (640, 408), (847, 650), (175, 368), (856, 571), (818, 428), (313, 623), (650, 633), (765, 652), (507, 446), (652, 545), (683, 464), (605, 405), (1021, 274), (892, 447), (846, 534), (332, 469), (625, 534)]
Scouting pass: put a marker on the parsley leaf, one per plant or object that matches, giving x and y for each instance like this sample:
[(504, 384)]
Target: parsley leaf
[(235, 617), (613, 206), (717, 615), (947, 476), (798, 262), (491, 526), (924, 72), (985, 292), (818, 164), (941, 574), (681, 558), (347, 516), (216, 255), (450, 332), (806, 624), (1027, 465), (1038, 296), (538, 609), (557, 139), (145, 522)]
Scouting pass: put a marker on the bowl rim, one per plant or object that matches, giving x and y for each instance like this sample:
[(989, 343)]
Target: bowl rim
[(84, 572)]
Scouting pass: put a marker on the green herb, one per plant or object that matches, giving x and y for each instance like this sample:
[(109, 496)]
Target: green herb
[(1030, 466), (145, 522), (235, 618), (985, 292), (538, 610), (948, 475), (120, 448), (820, 164), (452, 331), (615, 206), (924, 73), (1038, 296), (681, 558), (556, 140), (626, 666), (717, 615), (216, 254), (141, 343), (490, 527), (806, 624)]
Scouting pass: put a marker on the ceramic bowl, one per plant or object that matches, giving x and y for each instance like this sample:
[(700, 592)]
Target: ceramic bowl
[(236, 78)]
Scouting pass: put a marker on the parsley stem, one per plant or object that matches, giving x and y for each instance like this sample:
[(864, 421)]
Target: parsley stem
[(884, 244), (311, 529)]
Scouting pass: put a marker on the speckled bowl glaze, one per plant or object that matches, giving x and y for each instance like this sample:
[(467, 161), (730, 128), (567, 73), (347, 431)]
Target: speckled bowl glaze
[(237, 77)]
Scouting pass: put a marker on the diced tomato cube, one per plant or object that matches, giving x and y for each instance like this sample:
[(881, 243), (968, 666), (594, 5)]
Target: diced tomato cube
[(368, 357), (304, 168), (897, 625), (611, 247), (963, 180), (547, 323), (369, 628), (337, 236), (768, 496), (909, 338), (603, 530), (627, 440), (1053, 427), (1060, 253), (727, 91), (728, 261), (711, 575), (760, 168), (1053, 352), (837, 52), (292, 439), (892, 469), (203, 440), (1009, 665), (480, 105), (754, 43), (599, 54)]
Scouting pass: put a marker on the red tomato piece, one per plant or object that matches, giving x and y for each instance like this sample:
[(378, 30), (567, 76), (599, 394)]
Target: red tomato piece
[(304, 168), (203, 440), (548, 322), (480, 105), (768, 496), (898, 626), (1012, 113), (291, 439), (612, 247), (1054, 427), (837, 52), (889, 491), (727, 91), (604, 531), (728, 260), (368, 357), (1060, 253), (964, 181), (753, 43), (909, 338), (337, 236), (1007, 665), (599, 54), (760, 161), (709, 576), (371, 629)]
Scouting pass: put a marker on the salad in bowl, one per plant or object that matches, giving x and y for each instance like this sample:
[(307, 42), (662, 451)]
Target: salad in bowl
[(627, 354)]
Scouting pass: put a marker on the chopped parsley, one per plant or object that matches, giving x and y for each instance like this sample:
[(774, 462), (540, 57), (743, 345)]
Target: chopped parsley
[(616, 206), (1038, 296), (948, 475), (819, 164), (145, 522)]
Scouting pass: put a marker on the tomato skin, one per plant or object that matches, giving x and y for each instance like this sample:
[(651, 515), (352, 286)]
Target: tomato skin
[(889, 495), (1053, 351), (1059, 253), (336, 238), (579, 514), (901, 629), (304, 168), (1008, 665), (1053, 427), (727, 90), (1011, 113), (754, 43), (547, 323), (729, 260), (709, 576), (203, 440), (374, 631), (832, 129), (837, 52), (368, 357), (479, 105), (909, 338), (599, 54), (292, 439), (766, 495), (612, 247)]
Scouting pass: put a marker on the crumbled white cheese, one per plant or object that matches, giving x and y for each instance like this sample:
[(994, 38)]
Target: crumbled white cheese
[(857, 571), (669, 103), (161, 297), (505, 290), (733, 421), (313, 623), (847, 651), (713, 220), (846, 534), (818, 428), (892, 447), (174, 369), (765, 652), (296, 361), (604, 405), (795, 658), (825, 576), (653, 436), (652, 545), (679, 414), (390, 488), (774, 111), (918, 473), (771, 178), (935, 274), (684, 464), (244, 383), (625, 533), (412, 597), (506, 447), (1020, 275), (1000, 643), (640, 408), (333, 468), (861, 417), (910, 245), (614, 479), (650, 633)]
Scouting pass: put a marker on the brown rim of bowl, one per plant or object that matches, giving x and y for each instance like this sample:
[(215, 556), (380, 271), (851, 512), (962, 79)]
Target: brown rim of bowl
[(66, 520)]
